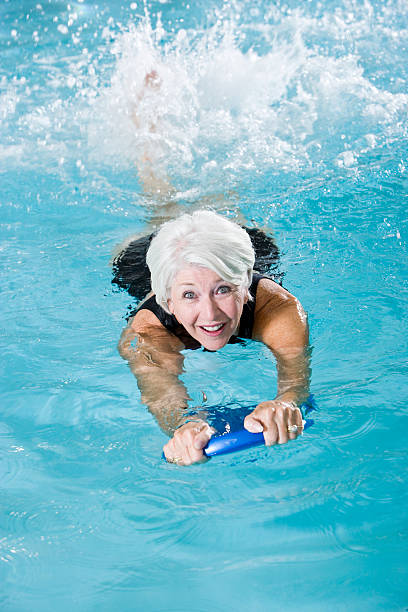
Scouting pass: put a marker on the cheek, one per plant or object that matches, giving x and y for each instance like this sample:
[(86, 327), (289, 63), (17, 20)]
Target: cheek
[(234, 308), (175, 307), (240, 301), (182, 311)]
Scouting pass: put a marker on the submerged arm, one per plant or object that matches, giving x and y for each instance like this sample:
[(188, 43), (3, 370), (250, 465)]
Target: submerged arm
[(281, 324), (155, 358), (293, 368)]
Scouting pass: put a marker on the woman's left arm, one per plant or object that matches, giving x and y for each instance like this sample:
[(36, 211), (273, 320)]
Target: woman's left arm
[(281, 324)]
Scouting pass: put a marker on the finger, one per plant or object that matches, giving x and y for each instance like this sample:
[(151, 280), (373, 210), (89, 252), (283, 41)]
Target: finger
[(196, 456), (186, 446), (292, 424), (282, 425), (179, 453), (201, 439), (295, 420), (171, 454), (168, 449), (299, 421), (253, 425), (271, 434), (187, 459), (175, 449), (183, 446)]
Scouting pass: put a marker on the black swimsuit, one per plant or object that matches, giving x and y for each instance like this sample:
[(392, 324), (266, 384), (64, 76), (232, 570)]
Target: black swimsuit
[(132, 274), (170, 322)]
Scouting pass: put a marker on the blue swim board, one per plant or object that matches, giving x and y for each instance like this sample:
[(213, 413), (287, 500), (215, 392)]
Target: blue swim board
[(240, 439)]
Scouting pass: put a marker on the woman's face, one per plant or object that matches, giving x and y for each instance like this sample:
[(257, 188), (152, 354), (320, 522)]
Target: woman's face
[(208, 307)]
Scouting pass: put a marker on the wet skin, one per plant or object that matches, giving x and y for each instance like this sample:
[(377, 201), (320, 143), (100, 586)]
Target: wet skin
[(208, 307)]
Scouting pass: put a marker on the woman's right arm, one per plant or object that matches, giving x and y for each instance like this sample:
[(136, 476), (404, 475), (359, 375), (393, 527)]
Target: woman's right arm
[(155, 358)]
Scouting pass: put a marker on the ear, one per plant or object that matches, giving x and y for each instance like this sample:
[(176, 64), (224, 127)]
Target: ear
[(170, 305), (246, 296)]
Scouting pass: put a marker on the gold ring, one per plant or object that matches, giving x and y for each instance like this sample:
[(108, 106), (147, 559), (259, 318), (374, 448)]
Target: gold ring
[(174, 460), (293, 428)]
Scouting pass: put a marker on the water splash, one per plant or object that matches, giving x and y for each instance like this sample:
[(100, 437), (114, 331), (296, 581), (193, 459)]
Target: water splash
[(244, 91), (236, 97)]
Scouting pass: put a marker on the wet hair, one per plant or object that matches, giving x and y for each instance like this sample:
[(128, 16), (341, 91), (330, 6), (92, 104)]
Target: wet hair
[(205, 239)]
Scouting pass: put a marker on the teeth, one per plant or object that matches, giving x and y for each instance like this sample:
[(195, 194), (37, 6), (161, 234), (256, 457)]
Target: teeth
[(212, 327)]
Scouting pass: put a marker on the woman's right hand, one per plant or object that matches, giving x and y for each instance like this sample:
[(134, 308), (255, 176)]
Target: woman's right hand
[(186, 445)]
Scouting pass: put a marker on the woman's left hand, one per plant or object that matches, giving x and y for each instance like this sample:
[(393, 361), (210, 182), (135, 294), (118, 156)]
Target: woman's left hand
[(279, 420)]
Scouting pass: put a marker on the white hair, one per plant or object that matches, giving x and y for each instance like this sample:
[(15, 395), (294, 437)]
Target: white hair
[(205, 239)]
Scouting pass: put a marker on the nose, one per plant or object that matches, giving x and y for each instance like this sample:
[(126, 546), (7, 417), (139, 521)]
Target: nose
[(209, 309)]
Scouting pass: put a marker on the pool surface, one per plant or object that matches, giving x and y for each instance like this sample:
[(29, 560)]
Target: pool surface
[(292, 117)]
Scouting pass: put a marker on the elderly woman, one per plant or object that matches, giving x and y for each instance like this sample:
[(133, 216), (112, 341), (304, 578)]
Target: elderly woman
[(206, 293)]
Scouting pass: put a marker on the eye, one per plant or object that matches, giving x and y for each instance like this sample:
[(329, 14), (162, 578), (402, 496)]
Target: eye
[(223, 289), (189, 295)]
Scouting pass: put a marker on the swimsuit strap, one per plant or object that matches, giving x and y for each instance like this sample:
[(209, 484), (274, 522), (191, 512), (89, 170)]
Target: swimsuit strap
[(246, 323), (168, 321)]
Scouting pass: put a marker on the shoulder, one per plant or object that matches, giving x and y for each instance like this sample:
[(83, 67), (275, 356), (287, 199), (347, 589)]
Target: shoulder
[(272, 294), (279, 317), (149, 333), (149, 314), (144, 319), (271, 298)]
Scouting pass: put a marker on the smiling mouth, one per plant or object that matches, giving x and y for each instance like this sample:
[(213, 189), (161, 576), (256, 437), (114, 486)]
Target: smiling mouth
[(213, 330)]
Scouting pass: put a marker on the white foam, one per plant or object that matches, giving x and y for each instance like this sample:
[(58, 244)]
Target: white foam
[(222, 109), (274, 91)]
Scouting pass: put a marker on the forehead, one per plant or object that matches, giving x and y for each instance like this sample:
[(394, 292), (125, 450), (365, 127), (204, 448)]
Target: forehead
[(192, 275)]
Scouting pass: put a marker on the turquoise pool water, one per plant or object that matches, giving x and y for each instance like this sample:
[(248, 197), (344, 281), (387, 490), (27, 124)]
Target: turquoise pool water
[(292, 116)]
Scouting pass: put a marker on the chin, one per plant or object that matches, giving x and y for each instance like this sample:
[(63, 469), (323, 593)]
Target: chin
[(213, 345)]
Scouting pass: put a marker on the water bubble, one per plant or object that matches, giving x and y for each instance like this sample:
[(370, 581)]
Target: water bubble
[(346, 159)]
